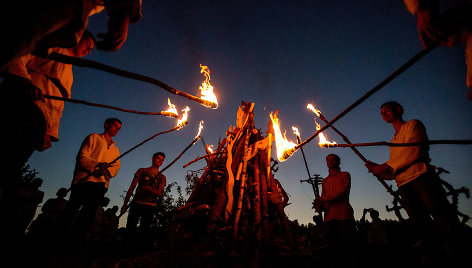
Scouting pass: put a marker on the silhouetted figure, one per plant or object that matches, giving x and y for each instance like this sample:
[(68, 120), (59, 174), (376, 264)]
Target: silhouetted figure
[(338, 214), (149, 187), (27, 201), (110, 223), (377, 240), (419, 186), (97, 226), (43, 225), (92, 175)]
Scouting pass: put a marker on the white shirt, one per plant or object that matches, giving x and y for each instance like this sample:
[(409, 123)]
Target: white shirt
[(409, 162), (93, 151)]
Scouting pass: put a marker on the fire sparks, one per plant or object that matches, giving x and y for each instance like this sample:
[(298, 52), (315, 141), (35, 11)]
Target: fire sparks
[(184, 119), (285, 148), (207, 89), (323, 140), (171, 111)]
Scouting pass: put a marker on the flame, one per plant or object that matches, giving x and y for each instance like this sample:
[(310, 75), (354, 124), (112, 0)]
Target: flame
[(295, 131), (323, 140), (171, 109), (210, 149), (207, 89), (200, 127), (313, 109), (285, 148), (184, 119)]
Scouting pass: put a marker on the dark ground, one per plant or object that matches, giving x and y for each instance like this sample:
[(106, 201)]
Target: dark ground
[(156, 249)]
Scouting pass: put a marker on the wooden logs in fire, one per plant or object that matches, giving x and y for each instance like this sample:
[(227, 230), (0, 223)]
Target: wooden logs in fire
[(237, 203)]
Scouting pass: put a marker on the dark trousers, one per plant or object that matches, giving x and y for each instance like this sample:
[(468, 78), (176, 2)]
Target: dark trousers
[(85, 199), (26, 129), (424, 198), (341, 238), (144, 214), (434, 219)]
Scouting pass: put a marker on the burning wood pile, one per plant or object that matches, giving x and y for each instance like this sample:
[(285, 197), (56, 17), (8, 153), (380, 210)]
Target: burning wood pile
[(236, 204)]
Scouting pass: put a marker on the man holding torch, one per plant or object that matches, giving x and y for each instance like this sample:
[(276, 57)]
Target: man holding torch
[(149, 183), (418, 184), (92, 175), (32, 121)]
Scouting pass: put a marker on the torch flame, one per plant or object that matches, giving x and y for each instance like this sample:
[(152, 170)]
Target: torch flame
[(171, 109), (313, 109), (200, 127), (184, 119), (323, 140), (285, 148), (210, 148), (207, 89), (295, 131)]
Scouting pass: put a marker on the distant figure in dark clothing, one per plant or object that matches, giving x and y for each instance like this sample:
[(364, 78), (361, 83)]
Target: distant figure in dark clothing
[(29, 197), (49, 212), (377, 239)]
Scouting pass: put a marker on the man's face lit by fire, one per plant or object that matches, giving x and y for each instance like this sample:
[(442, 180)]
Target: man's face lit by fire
[(84, 46), (389, 114), (113, 128), (158, 160)]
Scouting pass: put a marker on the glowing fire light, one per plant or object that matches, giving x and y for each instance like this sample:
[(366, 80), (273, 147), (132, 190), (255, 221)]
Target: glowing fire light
[(171, 109), (210, 149), (323, 140), (285, 148), (200, 127), (207, 89), (313, 109), (184, 119), (295, 131)]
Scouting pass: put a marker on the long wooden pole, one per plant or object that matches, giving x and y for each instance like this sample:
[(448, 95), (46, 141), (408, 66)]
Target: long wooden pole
[(135, 147), (241, 188), (384, 184), (180, 155), (109, 69), (379, 86), (108, 106), (404, 144)]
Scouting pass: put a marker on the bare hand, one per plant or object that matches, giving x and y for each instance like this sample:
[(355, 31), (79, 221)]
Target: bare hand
[(46, 144), (428, 27)]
